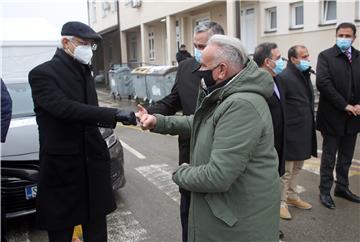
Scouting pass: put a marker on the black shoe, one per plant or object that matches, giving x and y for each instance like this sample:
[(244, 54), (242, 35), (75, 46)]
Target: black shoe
[(281, 235), (347, 194), (327, 201)]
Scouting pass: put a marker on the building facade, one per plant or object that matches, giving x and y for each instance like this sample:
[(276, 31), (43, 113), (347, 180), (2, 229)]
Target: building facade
[(104, 19), (152, 31)]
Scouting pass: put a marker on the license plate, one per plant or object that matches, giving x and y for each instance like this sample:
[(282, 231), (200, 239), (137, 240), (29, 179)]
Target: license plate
[(30, 192)]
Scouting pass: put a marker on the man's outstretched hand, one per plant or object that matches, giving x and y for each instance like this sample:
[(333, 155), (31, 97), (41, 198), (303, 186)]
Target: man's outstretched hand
[(125, 117), (146, 120)]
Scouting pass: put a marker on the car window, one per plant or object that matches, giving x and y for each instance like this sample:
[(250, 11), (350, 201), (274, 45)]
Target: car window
[(22, 103)]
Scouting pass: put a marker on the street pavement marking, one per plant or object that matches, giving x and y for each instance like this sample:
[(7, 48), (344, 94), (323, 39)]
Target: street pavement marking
[(132, 150), (160, 175), (313, 165), (122, 226)]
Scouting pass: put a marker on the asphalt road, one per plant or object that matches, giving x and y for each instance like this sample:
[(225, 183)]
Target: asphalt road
[(148, 205)]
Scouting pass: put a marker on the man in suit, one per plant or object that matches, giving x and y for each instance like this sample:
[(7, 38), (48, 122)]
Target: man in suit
[(74, 184), (300, 125), (267, 56), (183, 97), (338, 119)]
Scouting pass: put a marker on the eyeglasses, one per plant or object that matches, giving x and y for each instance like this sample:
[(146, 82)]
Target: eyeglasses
[(200, 46), (77, 42)]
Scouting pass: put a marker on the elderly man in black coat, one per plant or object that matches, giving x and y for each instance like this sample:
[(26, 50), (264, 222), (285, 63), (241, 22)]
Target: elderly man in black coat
[(338, 119), (183, 97), (74, 184), (300, 125)]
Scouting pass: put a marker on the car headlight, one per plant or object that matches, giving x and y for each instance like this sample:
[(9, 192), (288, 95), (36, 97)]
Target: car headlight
[(111, 140)]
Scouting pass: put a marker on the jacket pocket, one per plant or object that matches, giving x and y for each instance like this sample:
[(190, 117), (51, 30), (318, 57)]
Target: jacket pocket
[(220, 209), (63, 149)]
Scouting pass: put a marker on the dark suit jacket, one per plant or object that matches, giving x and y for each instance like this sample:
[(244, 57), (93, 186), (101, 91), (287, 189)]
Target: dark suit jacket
[(6, 109), (183, 97), (277, 110), (299, 107), (74, 181), (338, 82)]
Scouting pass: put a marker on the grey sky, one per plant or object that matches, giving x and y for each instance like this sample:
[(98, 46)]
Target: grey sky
[(55, 12)]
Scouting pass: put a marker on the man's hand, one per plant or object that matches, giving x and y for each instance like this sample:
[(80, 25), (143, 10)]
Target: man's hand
[(351, 110), (357, 109), (141, 111), (147, 122), (125, 117)]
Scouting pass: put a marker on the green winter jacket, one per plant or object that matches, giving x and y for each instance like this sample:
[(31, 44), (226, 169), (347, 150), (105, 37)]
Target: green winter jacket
[(232, 175)]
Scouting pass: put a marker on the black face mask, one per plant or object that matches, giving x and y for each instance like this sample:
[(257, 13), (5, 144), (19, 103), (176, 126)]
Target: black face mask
[(207, 76)]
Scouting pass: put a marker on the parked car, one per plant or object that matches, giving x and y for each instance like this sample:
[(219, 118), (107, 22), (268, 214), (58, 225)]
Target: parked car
[(20, 154)]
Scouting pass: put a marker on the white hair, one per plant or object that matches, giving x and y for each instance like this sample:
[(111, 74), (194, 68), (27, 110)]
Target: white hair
[(231, 50), (69, 37)]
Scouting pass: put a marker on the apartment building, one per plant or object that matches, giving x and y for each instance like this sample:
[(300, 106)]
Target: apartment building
[(152, 30), (104, 19)]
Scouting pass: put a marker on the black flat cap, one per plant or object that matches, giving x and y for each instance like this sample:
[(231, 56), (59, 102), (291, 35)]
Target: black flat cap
[(80, 30)]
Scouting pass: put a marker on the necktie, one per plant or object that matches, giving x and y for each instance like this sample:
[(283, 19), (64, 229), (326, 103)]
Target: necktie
[(348, 54)]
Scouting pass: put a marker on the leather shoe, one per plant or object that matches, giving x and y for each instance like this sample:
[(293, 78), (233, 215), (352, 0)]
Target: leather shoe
[(347, 194), (327, 201)]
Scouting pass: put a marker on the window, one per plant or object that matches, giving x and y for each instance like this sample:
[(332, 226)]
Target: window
[(177, 33), (297, 14), (114, 6), (133, 47), (328, 10), (151, 46), (271, 19), (93, 11), (106, 6)]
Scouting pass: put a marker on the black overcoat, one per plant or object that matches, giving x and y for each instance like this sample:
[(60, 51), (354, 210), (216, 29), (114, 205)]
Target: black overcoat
[(299, 108), (338, 82), (277, 110), (183, 97), (74, 181)]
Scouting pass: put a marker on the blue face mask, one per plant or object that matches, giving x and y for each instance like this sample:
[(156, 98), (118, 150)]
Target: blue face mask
[(303, 65), (197, 54), (343, 43), (280, 66)]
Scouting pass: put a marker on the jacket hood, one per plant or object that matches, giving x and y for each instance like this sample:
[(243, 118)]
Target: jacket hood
[(251, 79)]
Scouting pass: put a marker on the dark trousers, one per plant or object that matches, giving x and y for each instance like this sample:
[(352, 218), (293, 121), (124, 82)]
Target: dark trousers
[(95, 231), (184, 213), (344, 147)]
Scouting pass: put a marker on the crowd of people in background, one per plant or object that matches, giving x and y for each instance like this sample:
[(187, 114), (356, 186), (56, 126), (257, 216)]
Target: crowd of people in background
[(248, 125)]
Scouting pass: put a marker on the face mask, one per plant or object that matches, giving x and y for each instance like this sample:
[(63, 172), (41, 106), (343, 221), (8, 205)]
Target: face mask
[(303, 65), (280, 66), (197, 54), (207, 76), (83, 53), (343, 43)]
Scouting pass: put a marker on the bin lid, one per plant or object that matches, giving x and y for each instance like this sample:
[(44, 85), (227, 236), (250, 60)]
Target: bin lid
[(154, 70), (119, 68)]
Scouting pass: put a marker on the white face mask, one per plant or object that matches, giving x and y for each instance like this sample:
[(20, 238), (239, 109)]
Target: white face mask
[(83, 53)]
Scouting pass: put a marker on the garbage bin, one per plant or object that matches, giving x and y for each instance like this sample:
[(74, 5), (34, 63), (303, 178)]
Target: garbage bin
[(139, 83), (121, 82), (159, 81)]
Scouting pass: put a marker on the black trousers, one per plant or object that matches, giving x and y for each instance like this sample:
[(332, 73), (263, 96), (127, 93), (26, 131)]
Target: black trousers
[(94, 231), (344, 147), (184, 213)]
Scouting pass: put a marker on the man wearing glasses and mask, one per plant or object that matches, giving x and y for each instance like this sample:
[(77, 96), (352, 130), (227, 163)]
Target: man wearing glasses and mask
[(74, 184)]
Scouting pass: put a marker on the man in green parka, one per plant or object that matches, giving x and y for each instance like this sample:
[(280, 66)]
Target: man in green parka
[(232, 175)]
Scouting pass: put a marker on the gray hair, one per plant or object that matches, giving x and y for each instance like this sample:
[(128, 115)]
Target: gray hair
[(230, 49), (210, 27), (60, 45)]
